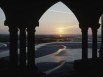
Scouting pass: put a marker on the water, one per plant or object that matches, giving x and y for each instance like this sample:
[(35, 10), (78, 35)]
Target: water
[(64, 55), (67, 54), (70, 52), (4, 51)]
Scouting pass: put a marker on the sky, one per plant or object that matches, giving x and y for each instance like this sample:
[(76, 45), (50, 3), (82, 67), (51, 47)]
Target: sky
[(3, 29), (58, 19)]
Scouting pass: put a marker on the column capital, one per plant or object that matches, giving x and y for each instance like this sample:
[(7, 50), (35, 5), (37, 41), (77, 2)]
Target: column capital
[(10, 23), (6, 23), (13, 29), (95, 26), (83, 26), (22, 27), (34, 24), (31, 28)]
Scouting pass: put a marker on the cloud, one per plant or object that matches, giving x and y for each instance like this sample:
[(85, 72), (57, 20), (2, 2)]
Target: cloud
[(60, 12)]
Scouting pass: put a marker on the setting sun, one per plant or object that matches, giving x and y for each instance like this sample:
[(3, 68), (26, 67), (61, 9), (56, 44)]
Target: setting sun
[(60, 30), (59, 21)]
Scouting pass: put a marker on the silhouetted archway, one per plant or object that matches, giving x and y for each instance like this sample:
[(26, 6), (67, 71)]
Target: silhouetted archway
[(72, 31), (24, 15)]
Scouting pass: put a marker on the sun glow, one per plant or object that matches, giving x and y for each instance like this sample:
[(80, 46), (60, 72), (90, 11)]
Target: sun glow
[(60, 31)]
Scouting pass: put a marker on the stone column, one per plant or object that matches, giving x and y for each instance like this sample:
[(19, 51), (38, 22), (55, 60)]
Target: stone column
[(84, 30), (22, 48), (30, 48), (13, 50), (32, 68), (101, 49), (94, 41)]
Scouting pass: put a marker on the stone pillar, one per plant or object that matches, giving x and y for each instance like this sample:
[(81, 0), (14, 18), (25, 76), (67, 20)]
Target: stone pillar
[(22, 48), (84, 42), (101, 49), (13, 50), (94, 41), (32, 68), (30, 49)]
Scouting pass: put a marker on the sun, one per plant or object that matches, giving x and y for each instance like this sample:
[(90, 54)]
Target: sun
[(60, 31)]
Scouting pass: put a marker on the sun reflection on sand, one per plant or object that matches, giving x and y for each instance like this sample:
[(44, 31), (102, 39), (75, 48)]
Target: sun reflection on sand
[(60, 35), (59, 58)]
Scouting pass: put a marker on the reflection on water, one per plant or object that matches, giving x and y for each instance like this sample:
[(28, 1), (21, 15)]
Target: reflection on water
[(51, 57), (68, 55), (4, 53), (59, 58), (48, 58), (61, 55)]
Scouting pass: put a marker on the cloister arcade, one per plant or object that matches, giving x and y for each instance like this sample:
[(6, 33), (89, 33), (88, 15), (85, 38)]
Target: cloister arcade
[(23, 16)]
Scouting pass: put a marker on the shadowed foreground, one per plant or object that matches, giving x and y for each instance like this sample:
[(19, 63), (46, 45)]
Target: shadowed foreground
[(69, 69)]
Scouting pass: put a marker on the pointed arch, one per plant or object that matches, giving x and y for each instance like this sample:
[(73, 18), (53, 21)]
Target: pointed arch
[(49, 5), (59, 11)]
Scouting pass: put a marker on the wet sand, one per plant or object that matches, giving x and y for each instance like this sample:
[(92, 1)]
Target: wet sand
[(64, 70), (67, 69), (46, 50)]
